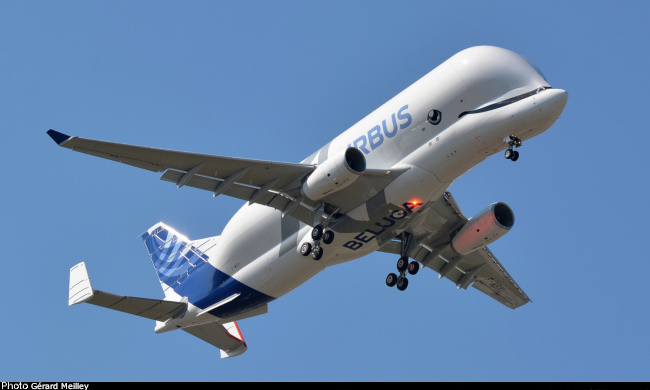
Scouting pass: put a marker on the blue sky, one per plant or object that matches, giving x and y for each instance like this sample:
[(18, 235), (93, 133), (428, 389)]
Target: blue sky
[(276, 81)]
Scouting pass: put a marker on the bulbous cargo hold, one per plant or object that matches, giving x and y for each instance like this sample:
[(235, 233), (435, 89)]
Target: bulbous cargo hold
[(484, 228), (482, 101), (336, 173)]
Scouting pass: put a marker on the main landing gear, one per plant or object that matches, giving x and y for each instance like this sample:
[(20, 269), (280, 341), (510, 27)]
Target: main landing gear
[(403, 266), (320, 236), (513, 142)]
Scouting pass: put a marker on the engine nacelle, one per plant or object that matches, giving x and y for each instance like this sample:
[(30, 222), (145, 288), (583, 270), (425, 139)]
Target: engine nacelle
[(483, 228), (336, 173)]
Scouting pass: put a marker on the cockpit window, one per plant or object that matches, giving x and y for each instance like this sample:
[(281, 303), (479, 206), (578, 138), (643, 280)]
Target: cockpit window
[(505, 102)]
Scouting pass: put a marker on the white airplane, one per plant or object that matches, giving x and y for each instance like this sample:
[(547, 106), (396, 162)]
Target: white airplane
[(379, 186)]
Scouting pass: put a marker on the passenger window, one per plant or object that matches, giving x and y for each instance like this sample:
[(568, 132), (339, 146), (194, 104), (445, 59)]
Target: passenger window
[(434, 117)]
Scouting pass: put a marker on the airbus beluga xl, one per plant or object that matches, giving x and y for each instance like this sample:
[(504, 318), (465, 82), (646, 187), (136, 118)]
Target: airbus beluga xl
[(381, 185)]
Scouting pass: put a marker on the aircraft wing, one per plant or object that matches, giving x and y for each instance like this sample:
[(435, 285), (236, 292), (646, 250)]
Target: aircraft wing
[(270, 183), (480, 268)]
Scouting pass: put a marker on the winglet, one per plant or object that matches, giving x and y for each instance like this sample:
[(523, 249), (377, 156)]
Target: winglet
[(59, 138)]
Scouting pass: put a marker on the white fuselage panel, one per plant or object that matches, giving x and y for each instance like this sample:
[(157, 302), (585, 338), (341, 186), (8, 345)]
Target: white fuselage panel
[(260, 247)]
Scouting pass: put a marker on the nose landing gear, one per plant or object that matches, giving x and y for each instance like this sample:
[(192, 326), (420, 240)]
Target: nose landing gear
[(513, 142)]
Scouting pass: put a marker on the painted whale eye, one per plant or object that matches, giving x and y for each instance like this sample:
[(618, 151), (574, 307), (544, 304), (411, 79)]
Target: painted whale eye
[(434, 117)]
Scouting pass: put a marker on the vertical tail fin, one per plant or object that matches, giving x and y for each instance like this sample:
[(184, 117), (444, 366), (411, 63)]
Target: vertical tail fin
[(174, 255)]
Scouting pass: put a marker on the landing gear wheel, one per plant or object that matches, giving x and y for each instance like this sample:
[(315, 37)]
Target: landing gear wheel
[(515, 156), (402, 263), (317, 233), (391, 280), (402, 284), (317, 253), (328, 237), (513, 142), (305, 249), (413, 267)]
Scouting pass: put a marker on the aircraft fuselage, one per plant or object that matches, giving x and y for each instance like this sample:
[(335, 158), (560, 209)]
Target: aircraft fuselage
[(440, 127)]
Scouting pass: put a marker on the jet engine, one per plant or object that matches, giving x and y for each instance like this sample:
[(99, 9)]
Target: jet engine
[(336, 173), (483, 228)]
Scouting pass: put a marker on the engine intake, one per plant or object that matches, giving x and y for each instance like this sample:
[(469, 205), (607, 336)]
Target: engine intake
[(484, 228), (336, 173)]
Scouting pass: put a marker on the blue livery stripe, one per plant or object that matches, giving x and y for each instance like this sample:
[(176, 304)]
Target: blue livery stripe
[(186, 270)]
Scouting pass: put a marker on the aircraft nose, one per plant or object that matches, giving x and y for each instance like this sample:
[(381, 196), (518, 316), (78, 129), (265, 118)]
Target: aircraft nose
[(553, 102), (540, 112)]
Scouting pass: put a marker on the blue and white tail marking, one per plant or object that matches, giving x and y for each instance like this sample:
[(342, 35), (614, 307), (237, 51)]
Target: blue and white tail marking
[(182, 266), (172, 254)]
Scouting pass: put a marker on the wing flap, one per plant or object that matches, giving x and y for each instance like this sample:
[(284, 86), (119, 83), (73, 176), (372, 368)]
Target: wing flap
[(270, 198), (480, 268), (207, 183), (494, 280)]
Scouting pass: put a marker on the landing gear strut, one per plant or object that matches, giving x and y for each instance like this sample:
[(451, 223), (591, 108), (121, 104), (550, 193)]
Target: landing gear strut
[(403, 265), (513, 142), (320, 236)]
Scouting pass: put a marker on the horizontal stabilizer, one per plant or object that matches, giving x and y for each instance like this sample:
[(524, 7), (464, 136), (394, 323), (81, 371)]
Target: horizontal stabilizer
[(80, 289), (155, 309), (226, 337)]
